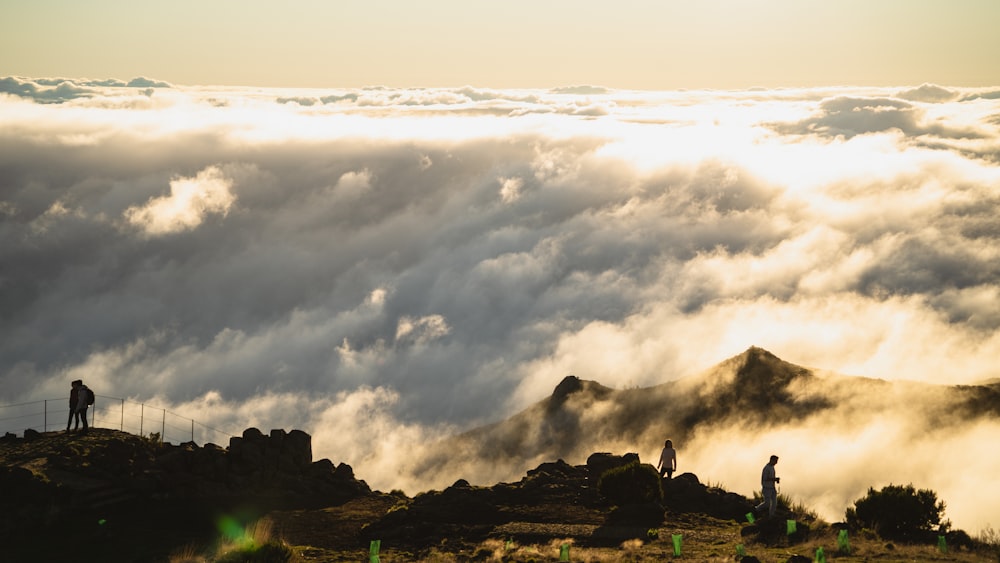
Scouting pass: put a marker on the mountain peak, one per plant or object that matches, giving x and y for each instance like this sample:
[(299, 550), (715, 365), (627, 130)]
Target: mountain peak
[(571, 385), (758, 368), (756, 354)]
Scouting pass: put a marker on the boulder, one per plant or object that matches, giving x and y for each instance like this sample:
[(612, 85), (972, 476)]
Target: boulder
[(254, 435), (598, 463), (297, 447), (685, 493)]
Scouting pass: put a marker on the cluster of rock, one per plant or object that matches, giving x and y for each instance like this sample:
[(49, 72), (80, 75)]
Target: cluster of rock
[(50, 476), (279, 464), (554, 500)]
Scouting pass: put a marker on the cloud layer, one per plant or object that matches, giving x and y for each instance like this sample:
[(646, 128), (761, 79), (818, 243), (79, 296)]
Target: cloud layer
[(380, 266)]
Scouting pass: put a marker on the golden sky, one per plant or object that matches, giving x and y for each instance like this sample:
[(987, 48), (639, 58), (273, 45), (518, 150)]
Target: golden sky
[(629, 44)]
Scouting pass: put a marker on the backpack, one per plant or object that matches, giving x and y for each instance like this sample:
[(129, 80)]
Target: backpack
[(90, 396)]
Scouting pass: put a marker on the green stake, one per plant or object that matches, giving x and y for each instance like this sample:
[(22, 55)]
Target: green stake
[(790, 525), (373, 549), (740, 551), (942, 546), (842, 544), (750, 517), (677, 544), (564, 552), (820, 556)]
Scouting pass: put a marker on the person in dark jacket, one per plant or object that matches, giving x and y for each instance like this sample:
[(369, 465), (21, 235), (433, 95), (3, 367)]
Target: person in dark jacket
[(74, 398), (80, 410), (769, 487)]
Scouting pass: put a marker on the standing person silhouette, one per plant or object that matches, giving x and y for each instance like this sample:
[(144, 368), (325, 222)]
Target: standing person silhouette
[(768, 486), (82, 402), (668, 460), (74, 399)]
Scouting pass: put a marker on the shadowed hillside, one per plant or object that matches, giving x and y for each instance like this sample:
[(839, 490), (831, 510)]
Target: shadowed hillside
[(138, 497), (753, 391), (131, 498), (109, 496)]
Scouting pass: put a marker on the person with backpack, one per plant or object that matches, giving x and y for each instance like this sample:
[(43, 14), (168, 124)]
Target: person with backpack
[(84, 398)]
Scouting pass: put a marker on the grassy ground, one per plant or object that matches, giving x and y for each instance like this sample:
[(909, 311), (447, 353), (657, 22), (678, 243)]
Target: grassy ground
[(703, 539), (713, 550)]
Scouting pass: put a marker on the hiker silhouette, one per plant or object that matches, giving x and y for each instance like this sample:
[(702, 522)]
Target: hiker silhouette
[(668, 460), (768, 486), (79, 400)]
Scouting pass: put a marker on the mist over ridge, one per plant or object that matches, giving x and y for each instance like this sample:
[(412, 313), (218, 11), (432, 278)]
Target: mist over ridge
[(749, 403), (388, 267)]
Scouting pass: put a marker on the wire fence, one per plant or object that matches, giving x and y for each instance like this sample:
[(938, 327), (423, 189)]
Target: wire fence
[(110, 412)]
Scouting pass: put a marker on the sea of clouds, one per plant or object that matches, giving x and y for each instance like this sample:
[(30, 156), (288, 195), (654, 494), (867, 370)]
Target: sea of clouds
[(382, 267)]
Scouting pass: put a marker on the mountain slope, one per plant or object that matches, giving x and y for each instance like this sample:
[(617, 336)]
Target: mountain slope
[(754, 391)]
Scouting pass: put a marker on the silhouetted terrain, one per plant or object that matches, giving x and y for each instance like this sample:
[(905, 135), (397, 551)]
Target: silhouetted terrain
[(130, 498), (753, 391)]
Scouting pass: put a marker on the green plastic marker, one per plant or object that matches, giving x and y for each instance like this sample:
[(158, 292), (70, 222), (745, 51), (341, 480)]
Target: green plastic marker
[(677, 544), (564, 552), (750, 517), (373, 550), (740, 551), (942, 546), (842, 543), (820, 556), (790, 525)]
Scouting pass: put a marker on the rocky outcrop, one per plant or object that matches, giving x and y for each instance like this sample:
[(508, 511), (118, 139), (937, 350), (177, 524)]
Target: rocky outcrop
[(599, 463), (553, 500), (275, 465), (109, 470), (471, 513), (684, 493)]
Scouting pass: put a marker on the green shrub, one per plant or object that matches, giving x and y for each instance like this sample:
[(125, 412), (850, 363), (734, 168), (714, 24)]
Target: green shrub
[(633, 483), (900, 513), (254, 544)]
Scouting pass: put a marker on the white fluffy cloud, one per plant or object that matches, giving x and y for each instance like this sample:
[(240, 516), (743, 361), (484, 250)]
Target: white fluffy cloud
[(189, 202), (443, 258)]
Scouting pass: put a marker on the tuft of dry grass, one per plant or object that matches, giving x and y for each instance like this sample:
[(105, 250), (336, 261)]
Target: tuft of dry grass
[(256, 543), (988, 540), (187, 554)]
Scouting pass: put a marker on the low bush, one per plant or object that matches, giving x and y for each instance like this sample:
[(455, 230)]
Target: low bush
[(633, 483), (254, 544), (900, 513)]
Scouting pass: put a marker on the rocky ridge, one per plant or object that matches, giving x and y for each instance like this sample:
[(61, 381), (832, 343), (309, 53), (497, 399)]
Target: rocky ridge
[(58, 481)]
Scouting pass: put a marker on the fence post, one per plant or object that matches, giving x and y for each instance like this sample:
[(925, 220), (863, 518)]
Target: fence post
[(163, 429), (192, 430), (122, 427), (45, 416), (142, 416)]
